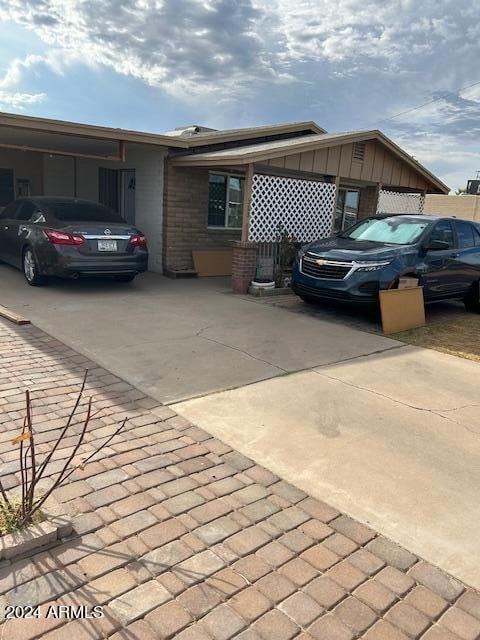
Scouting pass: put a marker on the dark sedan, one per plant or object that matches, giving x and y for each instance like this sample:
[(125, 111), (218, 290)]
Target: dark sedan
[(443, 253), (70, 238)]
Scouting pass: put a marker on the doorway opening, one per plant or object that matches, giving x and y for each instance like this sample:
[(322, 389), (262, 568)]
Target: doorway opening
[(346, 212), (116, 189)]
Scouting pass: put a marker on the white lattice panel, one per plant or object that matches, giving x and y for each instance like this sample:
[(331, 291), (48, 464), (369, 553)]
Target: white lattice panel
[(396, 202), (304, 208)]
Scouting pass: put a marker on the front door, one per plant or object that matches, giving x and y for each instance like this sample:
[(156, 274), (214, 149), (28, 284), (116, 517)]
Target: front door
[(439, 277), (466, 264)]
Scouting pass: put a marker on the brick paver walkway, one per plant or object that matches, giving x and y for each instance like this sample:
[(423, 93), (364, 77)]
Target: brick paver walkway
[(179, 536)]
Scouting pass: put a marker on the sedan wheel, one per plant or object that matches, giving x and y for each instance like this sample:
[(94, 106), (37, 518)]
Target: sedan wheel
[(30, 269)]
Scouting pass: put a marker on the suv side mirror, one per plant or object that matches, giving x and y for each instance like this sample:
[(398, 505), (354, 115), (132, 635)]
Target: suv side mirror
[(437, 245)]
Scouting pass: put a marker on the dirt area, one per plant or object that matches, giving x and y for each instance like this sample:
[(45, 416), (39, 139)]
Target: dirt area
[(457, 335)]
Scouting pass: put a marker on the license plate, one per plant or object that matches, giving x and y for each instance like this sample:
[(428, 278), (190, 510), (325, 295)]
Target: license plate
[(107, 245)]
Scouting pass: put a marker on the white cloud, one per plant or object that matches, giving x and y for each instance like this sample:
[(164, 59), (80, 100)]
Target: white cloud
[(10, 95), (349, 61)]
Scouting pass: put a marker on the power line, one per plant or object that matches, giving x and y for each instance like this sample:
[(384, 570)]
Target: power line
[(425, 104)]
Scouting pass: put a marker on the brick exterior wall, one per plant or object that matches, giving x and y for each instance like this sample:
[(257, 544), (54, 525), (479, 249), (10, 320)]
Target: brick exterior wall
[(244, 264), (368, 202), (186, 219)]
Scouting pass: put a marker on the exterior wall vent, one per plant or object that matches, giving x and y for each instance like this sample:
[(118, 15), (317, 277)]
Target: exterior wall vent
[(359, 151)]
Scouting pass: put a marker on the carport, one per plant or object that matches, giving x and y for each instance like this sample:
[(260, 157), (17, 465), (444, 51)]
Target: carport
[(121, 169)]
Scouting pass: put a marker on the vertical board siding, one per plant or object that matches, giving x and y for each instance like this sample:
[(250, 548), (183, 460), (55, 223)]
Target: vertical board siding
[(278, 162), (368, 160), (397, 170), (333, 161), (292, 162), (320, 157), (356, 170), (306, 161), (387, 169), (346, 152), (377, 168)]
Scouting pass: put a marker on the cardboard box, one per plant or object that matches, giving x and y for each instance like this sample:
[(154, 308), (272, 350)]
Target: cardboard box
[(405, 283), (213, 262), (402, 309)]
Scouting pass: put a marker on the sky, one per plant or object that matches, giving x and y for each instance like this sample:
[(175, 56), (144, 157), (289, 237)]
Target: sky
[(351, 64)]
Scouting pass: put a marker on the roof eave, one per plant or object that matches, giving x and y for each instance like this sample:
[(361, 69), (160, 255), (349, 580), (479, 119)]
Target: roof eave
[(249, 157), (254, 133)]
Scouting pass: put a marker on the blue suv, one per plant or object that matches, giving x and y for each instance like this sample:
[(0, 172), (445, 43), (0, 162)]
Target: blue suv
[(443, 253)]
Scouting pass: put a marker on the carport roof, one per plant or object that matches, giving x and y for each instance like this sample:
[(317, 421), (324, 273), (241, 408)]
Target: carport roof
[(278, 148), (47, 125)]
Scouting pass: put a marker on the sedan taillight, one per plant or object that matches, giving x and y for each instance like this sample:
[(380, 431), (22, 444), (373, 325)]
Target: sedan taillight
[(60, 237), (138, 241)]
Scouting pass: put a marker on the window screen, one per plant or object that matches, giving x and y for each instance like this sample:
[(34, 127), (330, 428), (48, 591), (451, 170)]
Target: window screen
[(217, 199)]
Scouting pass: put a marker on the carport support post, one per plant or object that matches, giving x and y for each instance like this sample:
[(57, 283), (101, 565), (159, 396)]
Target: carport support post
[(244, 258)]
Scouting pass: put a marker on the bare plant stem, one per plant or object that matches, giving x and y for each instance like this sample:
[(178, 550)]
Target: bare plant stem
[(32, 453), (43, 465), (62, 478), (3, 493), (23, 475), (29, 482)]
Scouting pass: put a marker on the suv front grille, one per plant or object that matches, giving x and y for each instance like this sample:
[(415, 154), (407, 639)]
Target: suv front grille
[(331, 270)]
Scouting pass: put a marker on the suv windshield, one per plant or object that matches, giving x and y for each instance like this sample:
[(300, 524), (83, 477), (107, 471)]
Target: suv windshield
[(83, 211), (394, 230)]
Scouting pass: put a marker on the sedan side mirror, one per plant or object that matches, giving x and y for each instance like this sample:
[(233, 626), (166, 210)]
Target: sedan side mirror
[(437, 245)]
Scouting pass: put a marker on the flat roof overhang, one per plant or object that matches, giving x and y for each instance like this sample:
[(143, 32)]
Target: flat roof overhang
[(42, 135), (96, 132)]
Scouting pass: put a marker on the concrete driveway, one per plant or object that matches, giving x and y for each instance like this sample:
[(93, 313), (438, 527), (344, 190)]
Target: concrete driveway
[(176, 339), (392, 439), (383, 431)]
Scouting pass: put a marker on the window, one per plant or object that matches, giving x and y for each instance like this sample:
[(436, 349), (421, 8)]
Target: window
[(394, 230), (26, 210), (9, 212), (464, 234), (477, 235), (79, 211), (225, 200), (443, 231)]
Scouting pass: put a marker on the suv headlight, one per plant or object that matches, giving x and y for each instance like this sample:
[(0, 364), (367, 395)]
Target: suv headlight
[(371, 266)]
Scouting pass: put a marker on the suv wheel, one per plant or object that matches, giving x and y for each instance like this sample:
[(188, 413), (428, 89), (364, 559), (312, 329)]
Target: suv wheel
[(30, 269), (472, 300)]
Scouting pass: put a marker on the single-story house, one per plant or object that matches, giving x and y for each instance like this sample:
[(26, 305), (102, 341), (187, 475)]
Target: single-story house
[(197, 192)]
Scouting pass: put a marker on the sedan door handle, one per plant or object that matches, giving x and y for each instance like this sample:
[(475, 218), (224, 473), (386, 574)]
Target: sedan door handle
[(455, 255)]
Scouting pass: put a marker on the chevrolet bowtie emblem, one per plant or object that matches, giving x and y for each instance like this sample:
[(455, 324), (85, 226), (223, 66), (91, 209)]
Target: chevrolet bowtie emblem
[(321, 262)]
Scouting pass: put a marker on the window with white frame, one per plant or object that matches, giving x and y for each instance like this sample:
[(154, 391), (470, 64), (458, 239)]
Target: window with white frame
[(225, 200)]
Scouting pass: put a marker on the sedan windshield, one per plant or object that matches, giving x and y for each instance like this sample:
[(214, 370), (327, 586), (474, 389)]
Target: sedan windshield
[(394, 230), (83, 212)]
